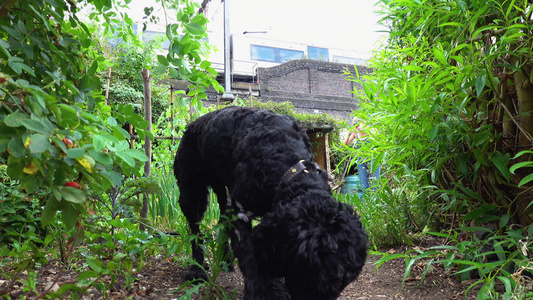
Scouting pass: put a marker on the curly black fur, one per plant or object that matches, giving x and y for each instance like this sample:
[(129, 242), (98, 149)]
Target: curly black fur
[(316, 244)]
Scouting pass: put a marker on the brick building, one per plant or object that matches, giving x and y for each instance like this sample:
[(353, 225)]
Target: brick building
[(312, 86)]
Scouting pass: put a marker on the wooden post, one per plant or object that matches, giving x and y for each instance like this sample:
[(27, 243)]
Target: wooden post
[(108, 83), (250, 95), (130, 130), (172, 113), (147, 141), (326, 146)]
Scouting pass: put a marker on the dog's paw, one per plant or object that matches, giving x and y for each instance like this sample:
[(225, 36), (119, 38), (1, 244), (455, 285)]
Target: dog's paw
[(195, 273)]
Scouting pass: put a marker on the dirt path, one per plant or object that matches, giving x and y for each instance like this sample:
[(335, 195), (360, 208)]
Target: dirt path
[(160, 279), (386, 283)]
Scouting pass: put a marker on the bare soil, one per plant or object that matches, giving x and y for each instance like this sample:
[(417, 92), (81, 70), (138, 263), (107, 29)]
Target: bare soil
[(161, 279)]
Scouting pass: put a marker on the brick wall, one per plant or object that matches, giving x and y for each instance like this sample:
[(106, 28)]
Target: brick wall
[(312, 86), (298, 81)]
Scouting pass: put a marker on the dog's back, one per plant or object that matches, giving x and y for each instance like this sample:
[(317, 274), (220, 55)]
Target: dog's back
[(244, 149)]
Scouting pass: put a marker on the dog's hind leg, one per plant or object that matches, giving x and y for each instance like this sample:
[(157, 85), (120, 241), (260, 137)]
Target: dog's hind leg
[(193, 203), (191, 178), (225, 218)]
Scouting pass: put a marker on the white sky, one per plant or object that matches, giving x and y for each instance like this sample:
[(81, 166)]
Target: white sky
[(342, 24)]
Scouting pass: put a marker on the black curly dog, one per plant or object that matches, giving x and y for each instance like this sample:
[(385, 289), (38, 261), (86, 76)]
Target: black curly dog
[(260, 164)]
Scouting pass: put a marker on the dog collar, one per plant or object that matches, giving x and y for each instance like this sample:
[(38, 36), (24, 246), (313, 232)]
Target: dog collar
[(296, 169)]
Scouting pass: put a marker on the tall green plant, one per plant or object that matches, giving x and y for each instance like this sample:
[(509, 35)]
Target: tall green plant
[(186, 54), (449, 102), (444, 99), (55, 127), (56, 130)]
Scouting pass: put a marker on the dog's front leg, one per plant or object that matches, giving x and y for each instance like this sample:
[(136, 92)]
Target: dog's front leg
[(256, 286)]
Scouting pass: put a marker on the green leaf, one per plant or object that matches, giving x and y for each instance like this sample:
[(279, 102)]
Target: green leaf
[(478, 212), (88, 274), (112, 121), (137, 154), (98, 266), (49, 210), (510, 8), (480, 157), (126, 158), (15, 119), (69, 216), (439, 55), (75, 152), (454, 24), (504, 220), (409, 263), (482, 138), (501, 161), (522, 153), (94, 68), (443, 235), (101, 157), (39, 143), (16, 147), (480, 84), (119, 256), (122, 146), (205, 64), (433, 132), (526, 180), (72, 88), (15, 63), (4, 45), (72, 194), (195, 28), (14, 167), (162, 60), (30, 183), (520, 165), (99, 142), (150, 135), (508, 283), (3, 145), (114, 177), (68, 112), (413, 68), (173, 73), (120, 134)]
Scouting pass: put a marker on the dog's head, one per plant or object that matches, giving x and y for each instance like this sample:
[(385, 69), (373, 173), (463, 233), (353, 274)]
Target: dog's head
[(315, 242)]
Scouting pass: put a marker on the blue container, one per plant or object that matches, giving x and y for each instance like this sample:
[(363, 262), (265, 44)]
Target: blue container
[(352, 185)]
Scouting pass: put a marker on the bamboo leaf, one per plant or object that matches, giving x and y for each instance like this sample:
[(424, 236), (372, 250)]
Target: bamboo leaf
[(480, 84), (526, 180), (501, 161), (439, 55)]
